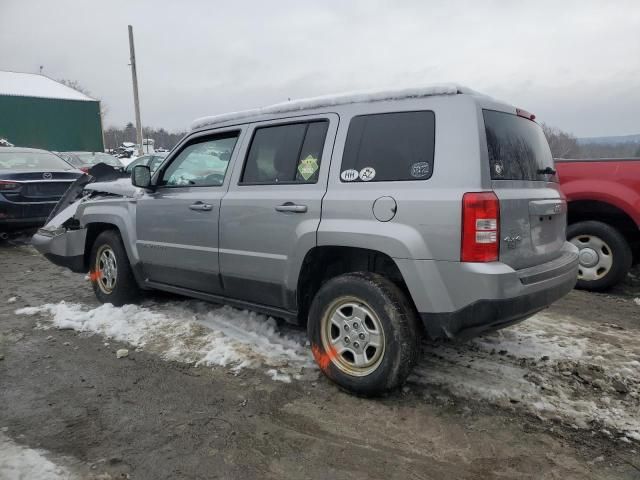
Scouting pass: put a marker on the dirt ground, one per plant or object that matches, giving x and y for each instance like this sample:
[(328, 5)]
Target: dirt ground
[(65, 397)]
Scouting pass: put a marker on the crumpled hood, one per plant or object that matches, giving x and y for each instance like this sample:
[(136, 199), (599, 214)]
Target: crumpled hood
[(121, 186), (71, 200)]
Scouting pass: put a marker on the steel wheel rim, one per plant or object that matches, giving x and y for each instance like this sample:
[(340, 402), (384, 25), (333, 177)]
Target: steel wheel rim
[(353, 336), (596, 257), (106, 269)]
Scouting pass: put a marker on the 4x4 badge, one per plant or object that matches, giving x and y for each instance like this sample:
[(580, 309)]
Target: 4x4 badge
[(512, 241)]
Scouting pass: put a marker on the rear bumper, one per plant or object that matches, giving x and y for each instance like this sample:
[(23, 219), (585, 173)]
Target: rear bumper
[(487, 315), (15, 215), (8, 224), (464, 299)]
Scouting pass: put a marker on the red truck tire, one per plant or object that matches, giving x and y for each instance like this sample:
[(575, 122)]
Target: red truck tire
[(605, 255)]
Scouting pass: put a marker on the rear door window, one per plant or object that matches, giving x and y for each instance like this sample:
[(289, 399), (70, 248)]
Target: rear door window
[(389, 147), (518, 149), (288, 153)]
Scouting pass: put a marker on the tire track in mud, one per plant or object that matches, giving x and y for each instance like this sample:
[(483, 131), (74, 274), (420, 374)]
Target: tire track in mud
[(554, 367)]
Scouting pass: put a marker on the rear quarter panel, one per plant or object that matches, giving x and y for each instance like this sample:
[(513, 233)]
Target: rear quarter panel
[(427, 222)]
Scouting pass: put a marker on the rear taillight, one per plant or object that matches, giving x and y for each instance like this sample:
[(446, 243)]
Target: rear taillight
[(480, 227), (9, 186)]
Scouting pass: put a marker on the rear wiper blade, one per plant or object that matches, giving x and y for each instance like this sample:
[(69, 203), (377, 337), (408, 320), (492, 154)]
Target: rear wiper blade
[(546, 171)]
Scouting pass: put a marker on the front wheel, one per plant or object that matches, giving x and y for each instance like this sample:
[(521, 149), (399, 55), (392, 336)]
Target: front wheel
[(364, 333), (110, 273), (605, 255)]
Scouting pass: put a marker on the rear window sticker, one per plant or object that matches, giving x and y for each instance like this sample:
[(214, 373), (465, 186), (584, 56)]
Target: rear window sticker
[(498, 168), (349, 175), (367, 174), (307, 167), (420, 170)]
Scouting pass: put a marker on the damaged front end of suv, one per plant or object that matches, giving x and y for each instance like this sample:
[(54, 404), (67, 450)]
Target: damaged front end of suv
[(63, 239)]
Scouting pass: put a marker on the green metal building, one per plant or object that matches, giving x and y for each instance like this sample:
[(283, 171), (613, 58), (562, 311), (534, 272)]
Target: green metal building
[(38, 112)]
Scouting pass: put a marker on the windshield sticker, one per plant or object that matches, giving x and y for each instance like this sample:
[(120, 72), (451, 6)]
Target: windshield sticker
[(420, 170), (308, 166), (349, 175), (367, 174)]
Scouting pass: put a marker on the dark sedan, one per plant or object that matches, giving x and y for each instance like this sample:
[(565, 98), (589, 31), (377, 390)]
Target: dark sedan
[(85, 160), (31, 183)]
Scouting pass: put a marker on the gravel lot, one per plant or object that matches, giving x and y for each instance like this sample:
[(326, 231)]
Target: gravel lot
[(211, 392)]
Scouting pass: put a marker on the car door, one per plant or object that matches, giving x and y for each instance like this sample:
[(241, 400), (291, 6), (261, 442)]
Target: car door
[(177, 223), (270, 215)]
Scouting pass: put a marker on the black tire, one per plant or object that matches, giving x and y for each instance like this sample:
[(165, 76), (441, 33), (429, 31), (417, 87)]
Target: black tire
[(125, 289), (395, 315), (620, 252)]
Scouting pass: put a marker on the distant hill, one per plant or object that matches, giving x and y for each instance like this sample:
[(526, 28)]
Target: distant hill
[(616, 140)]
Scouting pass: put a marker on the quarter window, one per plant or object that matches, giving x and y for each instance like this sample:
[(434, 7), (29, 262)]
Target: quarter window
[(202, 163), (285, 154), (388, 147)]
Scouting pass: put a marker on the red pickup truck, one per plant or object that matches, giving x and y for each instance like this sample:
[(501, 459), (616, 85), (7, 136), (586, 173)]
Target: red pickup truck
[(603, 197)]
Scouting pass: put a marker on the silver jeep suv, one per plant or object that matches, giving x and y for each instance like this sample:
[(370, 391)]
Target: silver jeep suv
[(371, 218)]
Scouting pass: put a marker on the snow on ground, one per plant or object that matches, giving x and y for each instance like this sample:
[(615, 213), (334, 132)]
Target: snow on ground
[(18, 462), (555, 367), (559, 368), (190, 331)]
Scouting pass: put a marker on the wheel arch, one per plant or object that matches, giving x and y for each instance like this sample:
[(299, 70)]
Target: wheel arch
[(608, 213), (322, 263), (95, 225)]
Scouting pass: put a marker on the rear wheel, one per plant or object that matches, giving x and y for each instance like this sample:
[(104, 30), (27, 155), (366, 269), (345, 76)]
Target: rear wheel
[(364, 333), (110, 273), (605, 255)]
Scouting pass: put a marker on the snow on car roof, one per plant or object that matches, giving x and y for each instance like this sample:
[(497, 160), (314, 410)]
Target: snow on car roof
[(339, 99), (34, 85)]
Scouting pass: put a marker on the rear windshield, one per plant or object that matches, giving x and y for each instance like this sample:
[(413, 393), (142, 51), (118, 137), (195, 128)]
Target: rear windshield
[(32, 161), (518, 149)]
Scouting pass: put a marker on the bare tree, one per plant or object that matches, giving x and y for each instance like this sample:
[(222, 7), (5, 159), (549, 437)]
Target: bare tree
[(79, 88), (114, 136), (562, 144)]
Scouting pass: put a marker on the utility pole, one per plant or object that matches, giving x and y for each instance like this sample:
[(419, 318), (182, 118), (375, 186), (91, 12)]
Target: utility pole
[(136, 100)]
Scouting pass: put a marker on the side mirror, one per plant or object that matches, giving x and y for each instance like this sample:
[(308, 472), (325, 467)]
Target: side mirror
[(141, 176)]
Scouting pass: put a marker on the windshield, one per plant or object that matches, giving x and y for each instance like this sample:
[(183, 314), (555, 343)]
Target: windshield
[(93, 158), (32, 161), (518, 149)]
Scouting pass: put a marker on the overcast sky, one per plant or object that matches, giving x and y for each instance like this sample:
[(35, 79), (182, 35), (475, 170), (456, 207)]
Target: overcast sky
[(575, 64)]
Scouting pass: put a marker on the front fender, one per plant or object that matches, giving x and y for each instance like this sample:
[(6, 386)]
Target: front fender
[(119, 213)]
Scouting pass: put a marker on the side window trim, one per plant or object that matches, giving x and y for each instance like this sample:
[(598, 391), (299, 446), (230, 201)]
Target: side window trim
[(200, 137), (278, 123)]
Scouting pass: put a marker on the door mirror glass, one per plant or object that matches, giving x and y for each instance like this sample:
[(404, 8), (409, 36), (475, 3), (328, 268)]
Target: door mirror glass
[(141, 176)]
